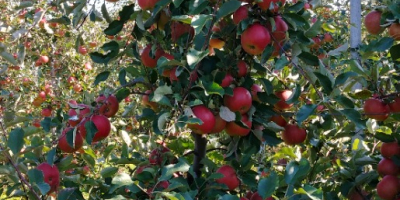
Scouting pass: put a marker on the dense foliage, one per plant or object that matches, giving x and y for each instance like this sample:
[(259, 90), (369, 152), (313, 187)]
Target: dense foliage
[(198, 99)]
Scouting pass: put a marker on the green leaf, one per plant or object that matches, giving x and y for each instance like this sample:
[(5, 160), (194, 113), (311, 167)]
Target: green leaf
[(61, 20), (169, 170), (16, 140), (342, 78), (177, 3), (267, 186), (309, 58), (266, 54), (199, 21), (344, 101), (229, 197), (311, 192), (395, 52), (227, 8), (213, 88), (89, 160), (120, 180), (268, 87), (197, 6), (295, 171), (8, 57), (91, 130), (281, 63), (36, 176), (295, 19), (70, 136), (122, 77), (126, 12), (380, 45), (51, 155), (108, 172), (193, 57), (295, 95), (315, 29), (304, 112), (105, 14), (325, 82), (355, 117), (103, 76), (67, 194), (173, 195), (122, 94), (114, 27), (186, 19)]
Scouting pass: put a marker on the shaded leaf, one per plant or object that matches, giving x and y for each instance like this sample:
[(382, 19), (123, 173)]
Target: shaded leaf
[(16, 140)]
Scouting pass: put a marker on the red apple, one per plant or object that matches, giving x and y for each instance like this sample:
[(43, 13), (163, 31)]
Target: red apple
[(156, 156), (280, 29), (283, 95), (328, 37), (279, 120), (257, 196), (46, 112), (147, 4), (149, 61), (178, 29), (220, 124), (387, 167), (146, 102), (240, 14), (395, 106), (172, 74), (254, 39), (387, 188), (230, 178), (43, 59), (234, 129), (206, 116), (390, 149), (109, 105), (242, 66), (372, 22), (51, 175), (63, 143), (241, 101), (376, 109), (102, 124), (227, 81), (394, 31), (293, 134), (266, 4), (254, 90)]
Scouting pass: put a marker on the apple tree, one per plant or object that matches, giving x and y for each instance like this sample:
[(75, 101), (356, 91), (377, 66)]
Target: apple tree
[(199, 99)]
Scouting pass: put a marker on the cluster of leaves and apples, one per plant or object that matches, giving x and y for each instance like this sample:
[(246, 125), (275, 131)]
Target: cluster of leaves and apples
[(239, 92)]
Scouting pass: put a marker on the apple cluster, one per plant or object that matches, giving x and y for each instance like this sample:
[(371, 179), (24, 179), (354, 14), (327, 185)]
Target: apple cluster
[(372, 22), (389, 186), (379, 110), (80, 114)]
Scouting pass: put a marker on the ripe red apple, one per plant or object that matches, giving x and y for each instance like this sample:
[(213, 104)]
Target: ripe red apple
[(149, 61), (109, 105), (280, 30), (230, 178), (240, 14), (242, 66), (76, 116), (376, 109), (293, 134), (172, 74), (36, 123), (63, 143), (147, 102), (102, 124), (328, 37), (147, 4), (46, 112), (317, 42), (220, 124), (77, 87), (241, 100), (390, 149), (227, 81), (387, 188), (178, 29), (387, 167), (156, 155), (307, 6), (395, 106), (254, 90), (279, 120), (354, 195), (71, 80), (394, 31), (234, 129), (254, 39), (257, 196), (265, 4), (42, 95), (43, 59), (372, 22), (51, 175), (206, 116), (283, 95)]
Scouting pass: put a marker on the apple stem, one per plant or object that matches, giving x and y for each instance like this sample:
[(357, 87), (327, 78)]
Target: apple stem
[(199, 153)]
